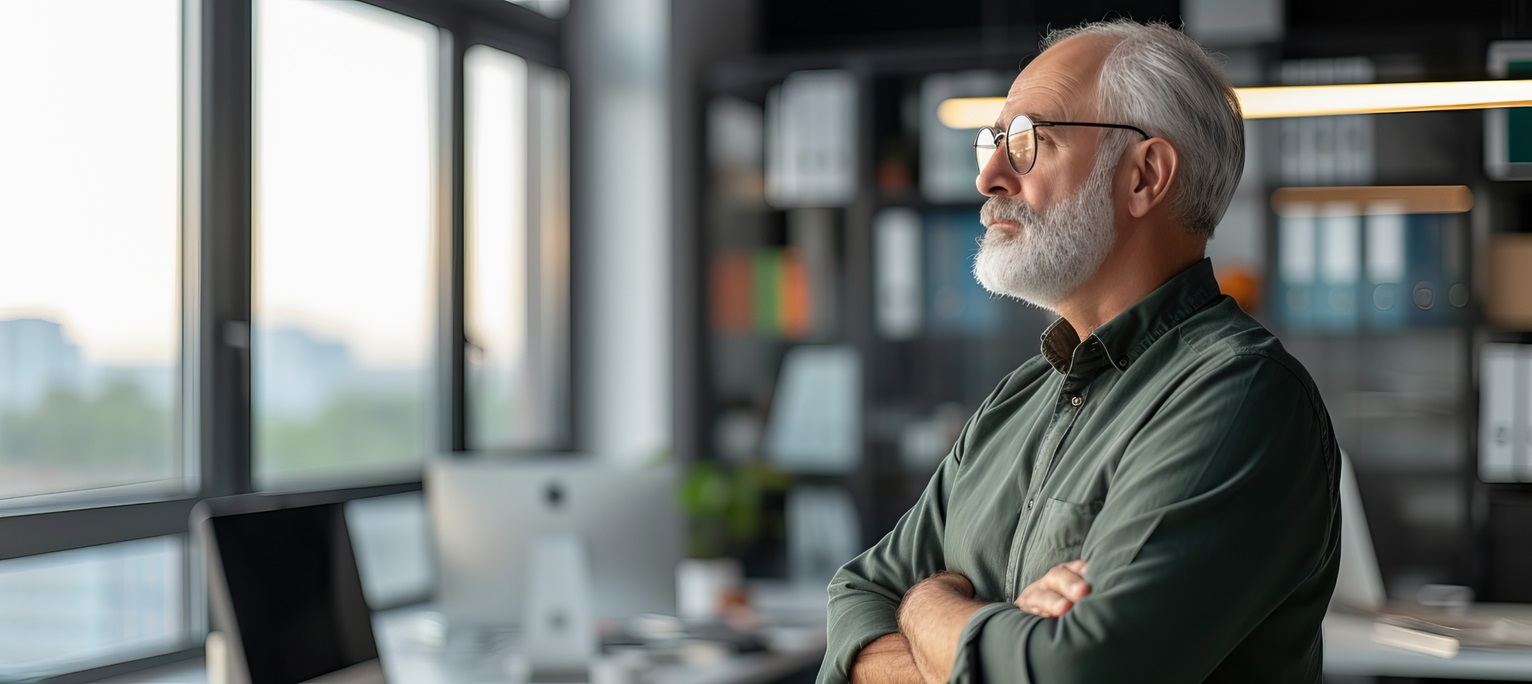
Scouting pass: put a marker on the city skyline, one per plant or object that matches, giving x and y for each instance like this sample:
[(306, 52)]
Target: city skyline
[(67, 424), (304, 371)]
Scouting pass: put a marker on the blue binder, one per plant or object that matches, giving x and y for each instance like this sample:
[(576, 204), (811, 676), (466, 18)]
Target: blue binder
[(955, 300), (1426, 250)]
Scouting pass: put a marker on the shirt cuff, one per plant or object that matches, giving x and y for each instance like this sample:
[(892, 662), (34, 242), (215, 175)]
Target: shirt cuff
[(966, 668)]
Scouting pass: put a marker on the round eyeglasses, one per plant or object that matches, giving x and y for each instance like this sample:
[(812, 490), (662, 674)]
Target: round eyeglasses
[(1020, 141)]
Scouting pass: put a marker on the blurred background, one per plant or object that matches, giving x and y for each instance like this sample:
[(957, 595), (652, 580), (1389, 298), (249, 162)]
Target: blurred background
[(292, 245)]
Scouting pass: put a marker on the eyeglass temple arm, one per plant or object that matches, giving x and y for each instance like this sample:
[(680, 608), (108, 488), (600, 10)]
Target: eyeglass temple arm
[(1136, 129)]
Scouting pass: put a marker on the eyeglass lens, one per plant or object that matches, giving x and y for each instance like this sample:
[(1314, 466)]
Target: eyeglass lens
[(1020, 145)]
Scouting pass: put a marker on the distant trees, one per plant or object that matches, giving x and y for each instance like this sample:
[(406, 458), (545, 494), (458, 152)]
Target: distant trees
[(70, 441), (371, 430)]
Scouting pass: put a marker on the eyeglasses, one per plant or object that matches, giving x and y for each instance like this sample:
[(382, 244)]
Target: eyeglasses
[(1021, 141)]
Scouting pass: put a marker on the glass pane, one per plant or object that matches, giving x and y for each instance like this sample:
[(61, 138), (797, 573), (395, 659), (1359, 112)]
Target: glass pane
[(517, 292), (89, 238), (70, 610), (343, 240)]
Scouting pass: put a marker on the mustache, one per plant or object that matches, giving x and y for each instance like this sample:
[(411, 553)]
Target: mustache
[(1007, 209)]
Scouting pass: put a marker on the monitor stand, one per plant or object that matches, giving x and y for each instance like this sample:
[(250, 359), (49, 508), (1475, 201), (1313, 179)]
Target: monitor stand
[(559, 622)]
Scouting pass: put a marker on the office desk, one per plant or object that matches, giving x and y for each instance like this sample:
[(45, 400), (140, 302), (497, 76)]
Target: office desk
[(410, 659), (1350, 650)]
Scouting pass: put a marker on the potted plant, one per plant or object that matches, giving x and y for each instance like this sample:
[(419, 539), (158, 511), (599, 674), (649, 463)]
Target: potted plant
[(728, 508)]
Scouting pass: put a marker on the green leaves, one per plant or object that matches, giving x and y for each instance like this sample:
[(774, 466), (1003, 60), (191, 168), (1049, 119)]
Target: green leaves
[(726, 504)]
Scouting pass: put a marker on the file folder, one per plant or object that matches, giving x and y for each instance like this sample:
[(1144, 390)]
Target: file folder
[(1340, 260), (1296, 271), (1502, 416), (1386, 300)]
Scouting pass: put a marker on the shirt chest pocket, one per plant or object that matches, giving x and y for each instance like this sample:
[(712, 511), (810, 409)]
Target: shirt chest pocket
[(1057, 538)]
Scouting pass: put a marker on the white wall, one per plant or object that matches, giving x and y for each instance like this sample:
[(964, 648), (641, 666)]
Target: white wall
[(622, 231)]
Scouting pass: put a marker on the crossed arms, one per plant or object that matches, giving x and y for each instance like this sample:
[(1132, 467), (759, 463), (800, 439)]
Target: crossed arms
[(933, 614), (1195, 546)]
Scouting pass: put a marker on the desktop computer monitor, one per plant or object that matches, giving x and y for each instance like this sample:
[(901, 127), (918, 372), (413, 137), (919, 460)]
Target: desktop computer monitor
[(489, 512)]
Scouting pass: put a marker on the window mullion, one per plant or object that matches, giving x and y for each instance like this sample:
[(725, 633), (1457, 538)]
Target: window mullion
[(451, 425), (223, 410), (34, 534)]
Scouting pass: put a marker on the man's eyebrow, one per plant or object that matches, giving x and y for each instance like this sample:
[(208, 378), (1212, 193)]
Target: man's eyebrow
[(1001, 127)]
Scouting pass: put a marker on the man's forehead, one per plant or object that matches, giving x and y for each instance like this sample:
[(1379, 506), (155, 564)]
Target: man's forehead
[(1042, 101), (1058, 84)]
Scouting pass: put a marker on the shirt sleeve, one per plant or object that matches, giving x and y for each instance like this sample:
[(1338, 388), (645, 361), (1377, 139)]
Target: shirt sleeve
[(1221, 507), (865, 593)]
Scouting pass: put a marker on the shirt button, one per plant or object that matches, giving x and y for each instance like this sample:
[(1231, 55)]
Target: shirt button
[(1029, 504), (1076, 400)]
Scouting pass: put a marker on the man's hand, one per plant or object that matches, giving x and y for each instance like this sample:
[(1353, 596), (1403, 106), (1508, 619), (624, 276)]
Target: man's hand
[(932, 617), (1055, 593)]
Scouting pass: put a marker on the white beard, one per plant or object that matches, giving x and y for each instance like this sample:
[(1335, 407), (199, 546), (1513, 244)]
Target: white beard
[(1056, 250)]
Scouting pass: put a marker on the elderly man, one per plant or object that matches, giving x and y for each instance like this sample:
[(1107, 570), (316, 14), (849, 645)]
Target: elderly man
[(1153, 497)]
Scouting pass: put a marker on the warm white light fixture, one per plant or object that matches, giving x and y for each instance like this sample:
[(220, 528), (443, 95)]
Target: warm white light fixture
[(1381, 98), (1316, 100), (969, 112)]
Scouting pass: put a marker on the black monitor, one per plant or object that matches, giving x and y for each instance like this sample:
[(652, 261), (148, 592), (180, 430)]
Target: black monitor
[(284, 586)]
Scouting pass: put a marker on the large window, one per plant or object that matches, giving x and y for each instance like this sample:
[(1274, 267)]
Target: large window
[(231, 260), (343, 239), (63, 610), (517, 248), (89, 245)]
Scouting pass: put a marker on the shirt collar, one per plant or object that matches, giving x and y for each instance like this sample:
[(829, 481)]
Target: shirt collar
[(1125, 337)]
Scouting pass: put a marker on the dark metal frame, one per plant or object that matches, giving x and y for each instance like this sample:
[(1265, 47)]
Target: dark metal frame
[(216, 406), (998, 142)]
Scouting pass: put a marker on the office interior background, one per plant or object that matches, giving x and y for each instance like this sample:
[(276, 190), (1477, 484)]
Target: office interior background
[(279, 245)]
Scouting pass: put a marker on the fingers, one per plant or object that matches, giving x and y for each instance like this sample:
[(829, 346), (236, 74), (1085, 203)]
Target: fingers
[(1068, 580), (1056, 592), (1044, 602)]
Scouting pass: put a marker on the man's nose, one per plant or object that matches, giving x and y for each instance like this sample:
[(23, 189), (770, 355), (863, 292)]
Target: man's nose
[(996, 178)]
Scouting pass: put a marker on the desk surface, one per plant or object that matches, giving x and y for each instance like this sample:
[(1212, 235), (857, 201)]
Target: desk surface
[(409, 658), (1350, 650)]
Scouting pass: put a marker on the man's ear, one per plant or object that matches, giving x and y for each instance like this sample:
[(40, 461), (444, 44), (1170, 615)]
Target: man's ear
[(1155, 166)]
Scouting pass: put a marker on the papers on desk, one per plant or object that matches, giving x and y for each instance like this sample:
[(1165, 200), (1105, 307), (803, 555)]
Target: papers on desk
[(1416, 640), (1443, 635)]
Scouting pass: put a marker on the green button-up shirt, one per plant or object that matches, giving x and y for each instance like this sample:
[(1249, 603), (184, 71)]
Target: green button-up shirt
[(1183, 454)]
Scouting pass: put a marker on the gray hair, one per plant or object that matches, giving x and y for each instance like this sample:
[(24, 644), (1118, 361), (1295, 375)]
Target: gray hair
[(1160, 80)]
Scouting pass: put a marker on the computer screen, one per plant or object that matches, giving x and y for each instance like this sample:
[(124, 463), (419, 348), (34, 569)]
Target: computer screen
[(487, 515), (289, 581)]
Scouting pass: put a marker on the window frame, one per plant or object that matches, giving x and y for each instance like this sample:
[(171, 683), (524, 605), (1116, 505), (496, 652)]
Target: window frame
[(215, 417)]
